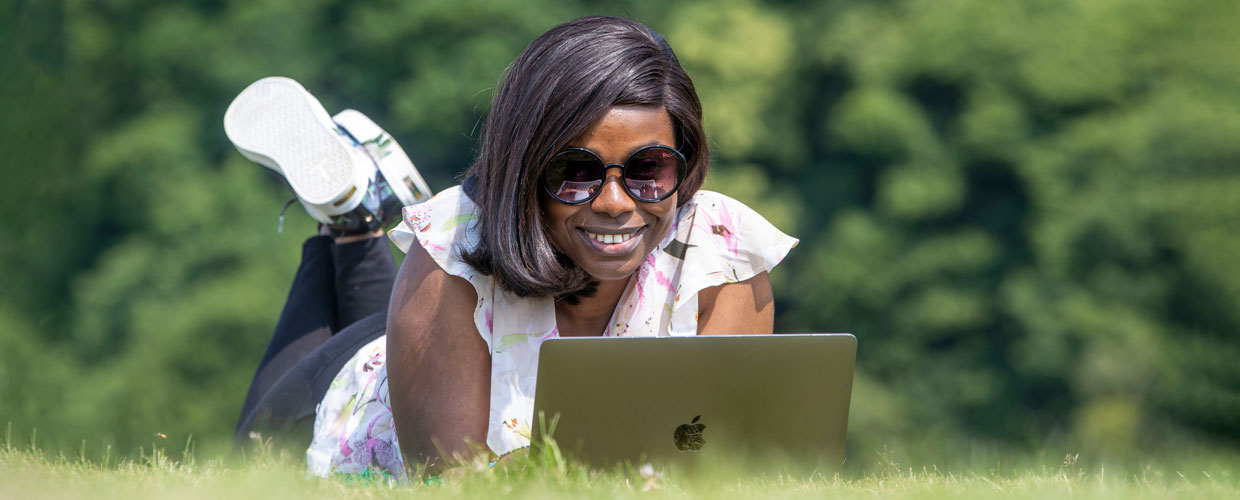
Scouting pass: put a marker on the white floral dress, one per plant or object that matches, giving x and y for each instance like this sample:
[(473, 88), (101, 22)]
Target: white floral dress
[(714, 240)]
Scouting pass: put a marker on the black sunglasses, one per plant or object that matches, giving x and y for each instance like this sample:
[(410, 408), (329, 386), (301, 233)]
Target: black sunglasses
[(650, 174)]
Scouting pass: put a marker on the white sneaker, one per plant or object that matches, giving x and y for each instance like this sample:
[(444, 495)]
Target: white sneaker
[(397, 171), (279, 125)]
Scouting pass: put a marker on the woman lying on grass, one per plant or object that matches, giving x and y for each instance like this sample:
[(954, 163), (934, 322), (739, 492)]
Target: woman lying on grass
[(581, 216)]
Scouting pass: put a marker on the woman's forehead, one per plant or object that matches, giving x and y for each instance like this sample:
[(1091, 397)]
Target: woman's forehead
[(623, 129)]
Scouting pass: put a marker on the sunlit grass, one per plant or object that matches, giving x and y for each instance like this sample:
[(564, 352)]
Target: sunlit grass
[(29, 472)]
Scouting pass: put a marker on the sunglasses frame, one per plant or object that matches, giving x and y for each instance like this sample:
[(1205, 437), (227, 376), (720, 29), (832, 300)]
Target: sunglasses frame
[(682, 171)]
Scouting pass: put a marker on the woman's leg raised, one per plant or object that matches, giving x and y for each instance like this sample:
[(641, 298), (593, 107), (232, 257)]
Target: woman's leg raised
[(364, 276), (286, 411), (307, 320), (306, 350)]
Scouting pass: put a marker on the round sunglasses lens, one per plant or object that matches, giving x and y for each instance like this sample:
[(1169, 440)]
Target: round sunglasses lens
[(573, 176), (653, 173)]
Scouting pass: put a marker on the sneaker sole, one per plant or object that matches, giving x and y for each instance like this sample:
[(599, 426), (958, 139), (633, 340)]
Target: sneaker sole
[(277, 124)]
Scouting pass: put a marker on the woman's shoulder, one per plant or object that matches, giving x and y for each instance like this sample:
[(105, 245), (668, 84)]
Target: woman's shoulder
[(722, 240), (445, 215), (445, 227), (444, 223), (719, 221)]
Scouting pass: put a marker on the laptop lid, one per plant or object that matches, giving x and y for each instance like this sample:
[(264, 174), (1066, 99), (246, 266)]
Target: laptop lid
[(691, 399)]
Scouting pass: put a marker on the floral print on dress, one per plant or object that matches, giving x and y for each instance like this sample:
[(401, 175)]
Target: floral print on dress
[(719, 224), (353, 430), (713, 240)]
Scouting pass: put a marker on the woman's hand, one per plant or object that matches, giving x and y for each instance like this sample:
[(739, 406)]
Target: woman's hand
[(746, 307), (438, 366)]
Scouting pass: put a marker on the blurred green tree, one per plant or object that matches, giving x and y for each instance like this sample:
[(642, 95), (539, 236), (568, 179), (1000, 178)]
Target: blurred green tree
[(1026, 211)]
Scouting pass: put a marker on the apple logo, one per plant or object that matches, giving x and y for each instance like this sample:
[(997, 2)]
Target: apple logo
[(689, 436)]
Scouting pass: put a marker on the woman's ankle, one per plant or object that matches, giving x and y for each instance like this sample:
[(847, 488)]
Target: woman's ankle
[(354, 238)]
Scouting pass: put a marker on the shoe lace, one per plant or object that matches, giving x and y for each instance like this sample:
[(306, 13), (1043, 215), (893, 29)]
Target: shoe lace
[(280, 222)]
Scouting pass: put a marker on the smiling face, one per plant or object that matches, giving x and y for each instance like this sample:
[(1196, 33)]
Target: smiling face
[(611, 235)]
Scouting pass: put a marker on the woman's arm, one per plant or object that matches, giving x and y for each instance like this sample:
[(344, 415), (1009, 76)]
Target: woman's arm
[(746, 307), (438, 366)]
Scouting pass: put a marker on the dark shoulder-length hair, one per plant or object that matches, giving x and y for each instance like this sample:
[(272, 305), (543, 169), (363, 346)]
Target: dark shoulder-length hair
[(563, 82)]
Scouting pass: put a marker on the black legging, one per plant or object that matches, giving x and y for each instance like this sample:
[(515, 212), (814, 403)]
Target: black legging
[(336, 286)]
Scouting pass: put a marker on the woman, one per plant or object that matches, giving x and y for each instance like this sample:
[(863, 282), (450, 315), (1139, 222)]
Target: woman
[(581, 216)]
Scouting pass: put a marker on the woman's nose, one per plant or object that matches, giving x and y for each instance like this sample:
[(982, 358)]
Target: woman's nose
[(613, 200)]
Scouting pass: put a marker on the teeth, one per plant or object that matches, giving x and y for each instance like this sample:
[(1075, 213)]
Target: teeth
[(610, 238)]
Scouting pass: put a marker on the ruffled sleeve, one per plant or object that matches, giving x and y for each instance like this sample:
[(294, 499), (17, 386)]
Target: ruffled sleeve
[(720, 240), (446, 227)]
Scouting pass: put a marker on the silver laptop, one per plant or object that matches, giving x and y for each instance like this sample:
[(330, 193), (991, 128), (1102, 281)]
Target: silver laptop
[(703, 399)]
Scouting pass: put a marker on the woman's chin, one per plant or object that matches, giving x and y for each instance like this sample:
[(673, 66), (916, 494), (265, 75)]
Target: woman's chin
[(610, 276), (611, 273)]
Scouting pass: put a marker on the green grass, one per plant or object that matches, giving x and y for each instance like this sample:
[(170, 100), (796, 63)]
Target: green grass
[(30, 473)]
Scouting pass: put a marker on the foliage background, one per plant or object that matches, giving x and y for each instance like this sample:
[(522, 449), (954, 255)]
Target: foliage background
[(1026, 211)]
